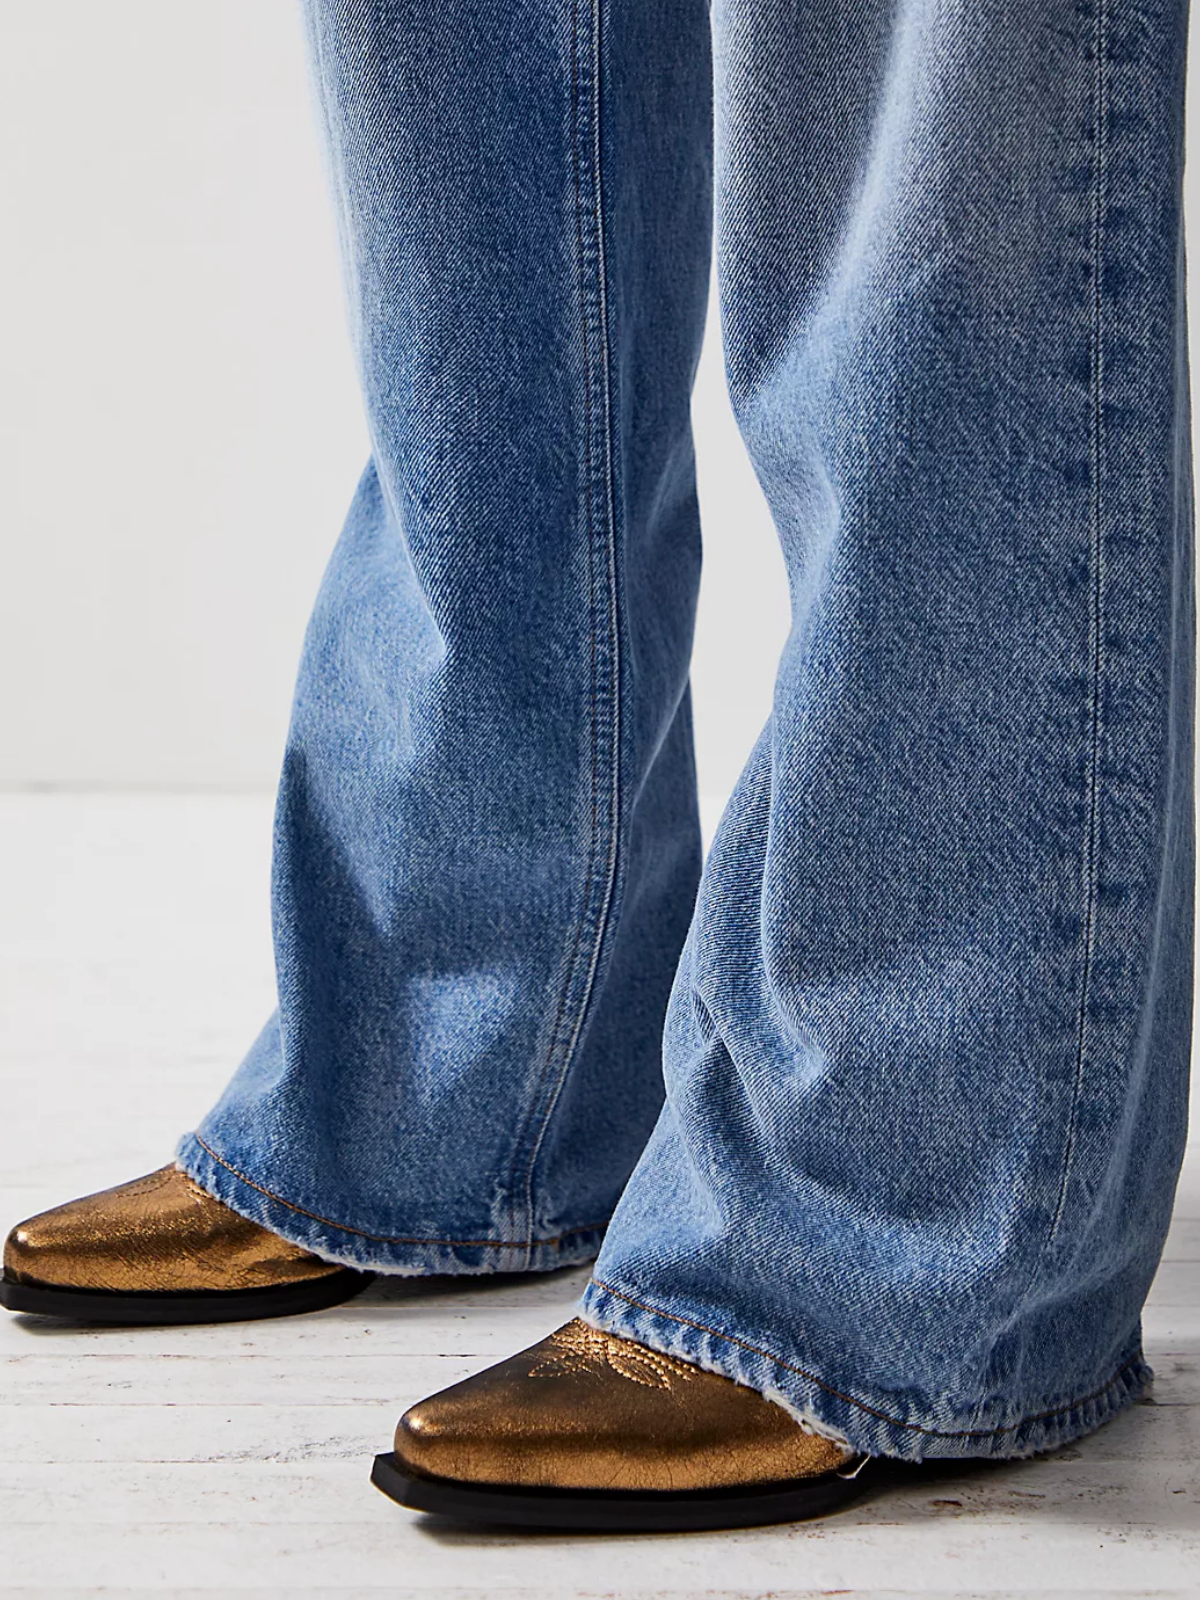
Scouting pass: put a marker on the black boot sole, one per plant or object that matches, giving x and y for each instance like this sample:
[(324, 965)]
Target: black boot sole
[(616, 1510), (170, 1307)]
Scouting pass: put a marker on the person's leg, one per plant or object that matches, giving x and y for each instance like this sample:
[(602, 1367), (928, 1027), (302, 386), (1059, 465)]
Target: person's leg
[(487, 843), (927, 1051), (487, 840)]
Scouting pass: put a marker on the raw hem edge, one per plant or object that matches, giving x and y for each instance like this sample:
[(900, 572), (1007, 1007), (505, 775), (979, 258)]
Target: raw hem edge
[(412, 1258), (866, 1425)]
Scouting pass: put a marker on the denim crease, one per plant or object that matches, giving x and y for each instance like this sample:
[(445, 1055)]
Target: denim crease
[(881, 1113)]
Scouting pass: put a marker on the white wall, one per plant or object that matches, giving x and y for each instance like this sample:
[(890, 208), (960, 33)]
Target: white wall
[(179, 425)]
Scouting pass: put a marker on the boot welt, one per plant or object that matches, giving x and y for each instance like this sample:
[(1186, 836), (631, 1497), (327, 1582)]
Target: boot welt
[(616, 1510), (168, 1307)]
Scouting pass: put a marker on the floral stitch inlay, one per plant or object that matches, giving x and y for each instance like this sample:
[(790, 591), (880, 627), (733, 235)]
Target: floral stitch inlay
[(581, 1348)]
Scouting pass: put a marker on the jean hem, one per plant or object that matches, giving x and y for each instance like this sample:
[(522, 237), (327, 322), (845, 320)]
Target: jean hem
[(868, 1423), (350, 1246)]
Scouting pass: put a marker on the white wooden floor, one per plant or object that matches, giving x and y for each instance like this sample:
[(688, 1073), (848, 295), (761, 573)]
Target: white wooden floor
[(134, 968)]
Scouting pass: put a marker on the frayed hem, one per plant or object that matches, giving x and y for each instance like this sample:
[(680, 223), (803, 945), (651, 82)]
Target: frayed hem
[(807, 1419), (868, 1425), (392, 1257)]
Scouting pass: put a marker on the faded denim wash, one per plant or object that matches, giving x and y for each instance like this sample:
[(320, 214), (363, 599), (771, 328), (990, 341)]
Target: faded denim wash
[(927, 1047)]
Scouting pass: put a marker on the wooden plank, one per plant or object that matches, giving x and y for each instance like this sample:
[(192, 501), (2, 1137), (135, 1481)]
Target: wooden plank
[(352, 1377), (218, 1430), (948, 1551)]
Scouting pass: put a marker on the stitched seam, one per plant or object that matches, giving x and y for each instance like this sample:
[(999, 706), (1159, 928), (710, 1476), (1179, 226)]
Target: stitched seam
[(1091, 836), (601, 919), (1092, 851), (610, 543), (383, 1238), (568, 975), (861, 1405)]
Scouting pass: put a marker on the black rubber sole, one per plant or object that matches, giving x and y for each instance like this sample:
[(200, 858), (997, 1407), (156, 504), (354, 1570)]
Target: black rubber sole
[(616, 1510), (169, 1307)]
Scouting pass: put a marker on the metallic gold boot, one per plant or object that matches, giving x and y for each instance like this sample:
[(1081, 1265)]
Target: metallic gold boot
[(162, 1250), (589, 1431)]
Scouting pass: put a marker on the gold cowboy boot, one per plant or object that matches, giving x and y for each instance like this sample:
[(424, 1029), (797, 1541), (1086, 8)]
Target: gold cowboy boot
[(162, 1250), (588, 1431)]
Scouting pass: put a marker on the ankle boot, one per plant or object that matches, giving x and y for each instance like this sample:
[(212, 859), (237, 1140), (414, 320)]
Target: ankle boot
[(588, 1431), (162, 1250)]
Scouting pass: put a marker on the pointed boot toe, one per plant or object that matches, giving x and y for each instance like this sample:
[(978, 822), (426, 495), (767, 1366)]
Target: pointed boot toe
[(586, 1430), (162, 1250)]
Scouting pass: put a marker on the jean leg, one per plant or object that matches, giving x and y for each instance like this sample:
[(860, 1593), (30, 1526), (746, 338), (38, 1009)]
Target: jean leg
[(927, 1052), (486, 840)]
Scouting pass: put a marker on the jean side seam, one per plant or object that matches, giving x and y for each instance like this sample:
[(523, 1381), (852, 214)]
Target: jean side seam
[(1092, 850), (862, 1405), (383, 1238), (1095, 665), (610, 541), (552, 1077)]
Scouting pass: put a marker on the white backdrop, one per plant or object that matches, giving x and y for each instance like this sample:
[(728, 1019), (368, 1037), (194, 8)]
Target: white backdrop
[(179, 426)]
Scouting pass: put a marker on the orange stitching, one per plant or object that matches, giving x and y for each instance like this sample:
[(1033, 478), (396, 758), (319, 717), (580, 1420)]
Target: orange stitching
[(861, 1405), (382, 1238)]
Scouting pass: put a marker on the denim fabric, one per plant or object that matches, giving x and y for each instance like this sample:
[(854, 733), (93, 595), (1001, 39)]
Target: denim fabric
[(487, 839), (927, 1047)]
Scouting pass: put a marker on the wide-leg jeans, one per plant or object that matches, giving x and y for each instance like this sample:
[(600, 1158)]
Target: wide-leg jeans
[(927, 1011)]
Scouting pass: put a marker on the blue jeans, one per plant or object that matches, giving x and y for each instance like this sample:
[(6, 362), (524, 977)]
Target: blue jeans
[(927, 1011)]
